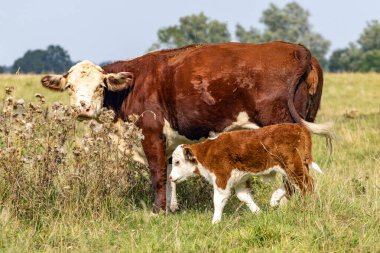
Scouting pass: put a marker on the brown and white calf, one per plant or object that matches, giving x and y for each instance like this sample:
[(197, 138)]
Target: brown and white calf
[(229, 160)]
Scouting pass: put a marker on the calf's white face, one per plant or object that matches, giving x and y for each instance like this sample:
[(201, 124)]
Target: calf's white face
[(184, 164), (86, 82)]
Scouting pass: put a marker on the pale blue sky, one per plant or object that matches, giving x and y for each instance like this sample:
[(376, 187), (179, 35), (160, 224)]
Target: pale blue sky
[(116, 29)]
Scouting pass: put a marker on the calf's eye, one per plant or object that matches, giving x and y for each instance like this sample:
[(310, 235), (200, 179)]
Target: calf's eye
[(176, 163)]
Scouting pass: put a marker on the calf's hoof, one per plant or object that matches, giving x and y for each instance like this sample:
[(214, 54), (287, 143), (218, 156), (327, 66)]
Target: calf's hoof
[(216, 221), (174, 207)]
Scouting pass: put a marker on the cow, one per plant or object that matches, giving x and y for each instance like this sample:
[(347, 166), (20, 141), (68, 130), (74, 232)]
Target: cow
[(184, 94), (229, 160)]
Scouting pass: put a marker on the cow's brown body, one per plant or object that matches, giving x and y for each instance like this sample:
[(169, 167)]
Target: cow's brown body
[(203, 88)]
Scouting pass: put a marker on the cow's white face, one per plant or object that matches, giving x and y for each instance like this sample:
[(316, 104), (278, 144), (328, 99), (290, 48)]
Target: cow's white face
[(184, 164), (85, 83)]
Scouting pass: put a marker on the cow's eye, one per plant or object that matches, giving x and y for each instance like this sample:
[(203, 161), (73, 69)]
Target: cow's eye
[(176, 163), (68, 86), (99, 88)]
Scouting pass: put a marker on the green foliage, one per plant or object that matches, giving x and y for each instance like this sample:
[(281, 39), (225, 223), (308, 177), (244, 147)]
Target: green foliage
[(371, 61), (252, 35), (365, 56), (347, 59), (2, 69), (54, 59), (370, 38), (193, 29), (288, 24)]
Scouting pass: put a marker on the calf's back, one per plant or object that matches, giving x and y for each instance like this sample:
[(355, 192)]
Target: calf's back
[(284, 145)]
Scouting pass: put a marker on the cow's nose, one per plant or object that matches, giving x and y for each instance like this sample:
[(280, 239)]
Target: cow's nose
[(170, 178), (86, 107)]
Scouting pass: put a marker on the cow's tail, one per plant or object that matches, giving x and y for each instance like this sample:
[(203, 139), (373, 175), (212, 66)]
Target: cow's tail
[(324, 129)]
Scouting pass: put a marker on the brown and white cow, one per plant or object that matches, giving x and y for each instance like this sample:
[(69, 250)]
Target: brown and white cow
[(184, 94), (229, 160)]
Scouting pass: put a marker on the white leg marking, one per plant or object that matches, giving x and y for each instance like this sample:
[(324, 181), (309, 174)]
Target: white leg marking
[(278, 196), (244, 194), (171, 194), (220, 200), (283, 201), (173, 202)]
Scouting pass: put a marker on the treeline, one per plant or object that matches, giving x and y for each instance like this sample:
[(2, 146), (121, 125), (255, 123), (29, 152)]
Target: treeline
[(54, 59), (290, 23)]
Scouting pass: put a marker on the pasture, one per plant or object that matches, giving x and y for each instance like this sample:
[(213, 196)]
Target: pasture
[(69, 199)]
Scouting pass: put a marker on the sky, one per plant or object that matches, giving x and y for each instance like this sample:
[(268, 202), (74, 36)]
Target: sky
[(120, 29)]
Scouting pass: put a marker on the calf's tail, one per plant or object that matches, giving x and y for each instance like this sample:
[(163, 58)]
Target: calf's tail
[(315, 167)]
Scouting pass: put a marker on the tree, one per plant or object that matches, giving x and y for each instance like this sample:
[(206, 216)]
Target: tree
[(193, 29), (347, 59), (288, 24), (54, 59), (252, 35), (370, 61), (370, 38), (2, 69), (363, 56)]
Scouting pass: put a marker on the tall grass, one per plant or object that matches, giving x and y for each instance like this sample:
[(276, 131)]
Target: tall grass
[(66, 185)]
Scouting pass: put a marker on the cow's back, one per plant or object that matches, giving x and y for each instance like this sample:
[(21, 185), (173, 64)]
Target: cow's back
[(209, 85)]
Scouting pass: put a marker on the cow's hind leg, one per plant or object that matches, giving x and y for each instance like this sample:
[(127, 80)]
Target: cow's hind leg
[(244, 194)]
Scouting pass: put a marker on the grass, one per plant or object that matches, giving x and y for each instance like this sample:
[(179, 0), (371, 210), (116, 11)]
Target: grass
[(103, 212)]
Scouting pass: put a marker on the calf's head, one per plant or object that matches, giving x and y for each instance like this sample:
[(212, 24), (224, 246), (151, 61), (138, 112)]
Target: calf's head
[(184, 164), (85, 82)]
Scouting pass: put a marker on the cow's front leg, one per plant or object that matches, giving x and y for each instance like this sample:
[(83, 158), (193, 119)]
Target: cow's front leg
[(171, 193), (154, 148)]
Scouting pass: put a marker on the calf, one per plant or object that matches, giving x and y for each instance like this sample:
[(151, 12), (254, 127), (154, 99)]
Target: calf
[(230, 159)]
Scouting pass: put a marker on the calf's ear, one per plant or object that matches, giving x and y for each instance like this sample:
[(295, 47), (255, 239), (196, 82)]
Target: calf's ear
[(188, 154), (54, 82), (119, 81)]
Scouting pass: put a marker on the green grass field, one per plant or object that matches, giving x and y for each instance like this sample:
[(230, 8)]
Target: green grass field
[(343, 215)]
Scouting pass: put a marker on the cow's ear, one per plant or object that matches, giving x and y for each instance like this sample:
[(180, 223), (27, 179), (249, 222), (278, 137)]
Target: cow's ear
[(54, 82), (188, 154), (119, 81)]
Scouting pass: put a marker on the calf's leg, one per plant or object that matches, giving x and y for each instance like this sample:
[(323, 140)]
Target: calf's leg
[(278, 196), (243, 193), (220, 199), (302, 180), (171, 193)]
